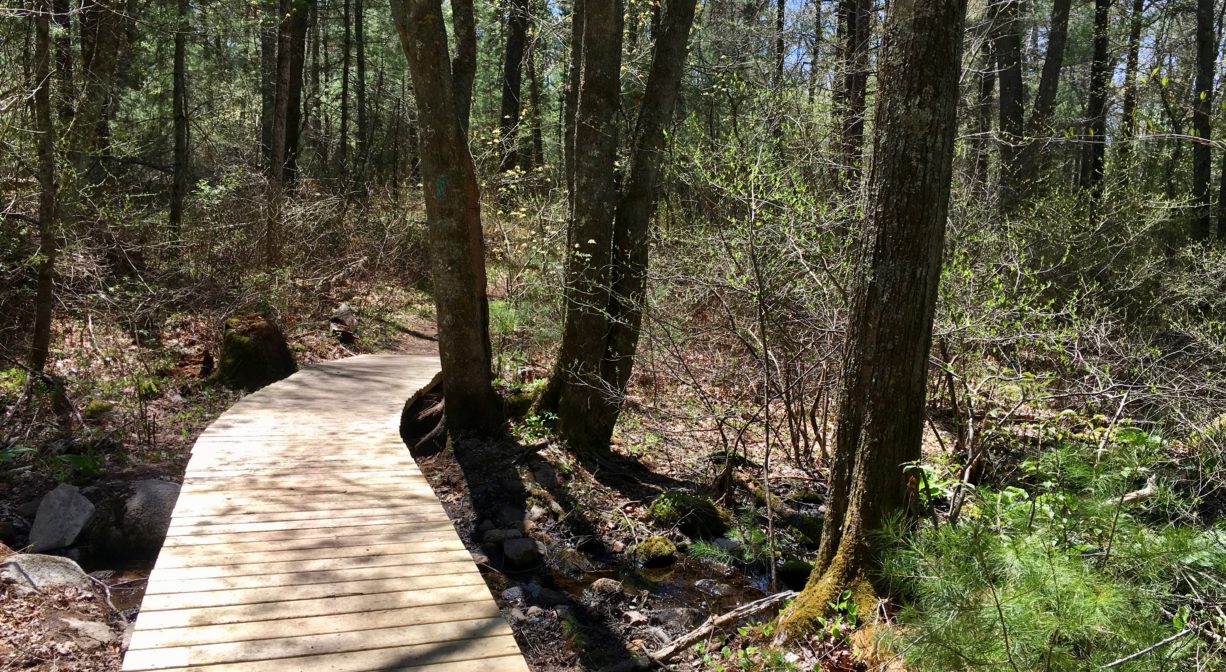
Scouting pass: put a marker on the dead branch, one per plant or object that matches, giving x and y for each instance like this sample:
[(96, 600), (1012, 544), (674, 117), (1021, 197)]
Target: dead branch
[(669, 651)]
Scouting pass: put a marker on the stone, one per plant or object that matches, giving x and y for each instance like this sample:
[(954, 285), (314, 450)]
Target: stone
[(656, 551), (794, 573), (132, 519), (40, 572), (517, 615), (571, 562), (511, 516), (546, 475), (253, 353), (550, 598), (713, 587), (499, 536), (606, 586), (694, 515), (62, 515), (535, 612), (485, 526), (87, 635), (536, 513), (631, 664), (515, 594), (728, 545), (678, 620), (634, 618), (521, 553)]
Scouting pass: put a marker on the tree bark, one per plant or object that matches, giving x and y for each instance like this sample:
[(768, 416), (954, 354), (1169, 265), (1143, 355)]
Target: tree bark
[(1095, 139), (269, 30), (299, 14), (464, 64), (276, 179), (780, 43), (342, 149), (1039, 123), (534, 99), (610, 231), (179, 185), (103, 37), (1008, 45), (571, 100), (453, 213), (852, 93), (512, 82), (1202, 109), (64, 61), (1128, 116), (893, 298), (44, 126), (359, 83), (985, 103)]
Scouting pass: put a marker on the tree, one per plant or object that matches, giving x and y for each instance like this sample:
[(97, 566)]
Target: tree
[(44, 127), (181, 178), (342, 149), (453, 214), (852, 92), (464, 63), (512, 82), (1007, 43), (300, 11), (103, 39), (276, 179), (1202, 105), (1095, 140), (1045, 97), (892, 301), (609, 230)]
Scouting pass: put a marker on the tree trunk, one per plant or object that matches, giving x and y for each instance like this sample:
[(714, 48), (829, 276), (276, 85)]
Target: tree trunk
[(299, 15), (852, 92), (453, 213), (269, 30), (1202, 109), (607, 265), (571, 100), (893, 298), (464, 64), (64, 61), (276, 179), (103, 37), (179, 186), (359, 84), (44, 302), (534, 99), (985, 102), (342, 148), (1008, 45), (780, 43), (1128, 116), (512, 82), (1039, 123), (1095, 140)]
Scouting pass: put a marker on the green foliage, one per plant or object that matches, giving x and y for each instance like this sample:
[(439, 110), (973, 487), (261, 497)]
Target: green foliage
[(694, 515), (1062, 575)]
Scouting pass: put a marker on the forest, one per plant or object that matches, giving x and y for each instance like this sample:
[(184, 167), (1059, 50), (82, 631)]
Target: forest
[(795, 335)]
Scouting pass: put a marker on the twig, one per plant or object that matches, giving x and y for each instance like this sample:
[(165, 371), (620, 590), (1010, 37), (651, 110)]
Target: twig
[(669, 651), (106, 594), (1146, 650)]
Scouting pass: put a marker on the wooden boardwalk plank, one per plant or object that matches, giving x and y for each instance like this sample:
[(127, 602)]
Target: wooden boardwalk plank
[(305, 538)]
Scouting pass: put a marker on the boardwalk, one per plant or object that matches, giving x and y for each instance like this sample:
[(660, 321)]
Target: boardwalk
[(305, 538)]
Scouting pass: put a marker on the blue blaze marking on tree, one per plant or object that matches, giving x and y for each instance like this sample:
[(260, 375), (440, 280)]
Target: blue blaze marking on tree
[(440, 186)]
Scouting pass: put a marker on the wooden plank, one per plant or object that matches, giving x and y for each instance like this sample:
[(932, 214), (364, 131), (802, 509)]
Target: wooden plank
[(325, 606), (319, 540), (209, 504), (238, 596), (415, 659), (312, 565), (378, 517), (315, 529), (322, 644), (191, 556), (158, 585), (209, 523)]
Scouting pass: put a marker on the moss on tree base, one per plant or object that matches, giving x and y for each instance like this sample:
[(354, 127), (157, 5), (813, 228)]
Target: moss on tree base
[(822, 594), (253, 354)]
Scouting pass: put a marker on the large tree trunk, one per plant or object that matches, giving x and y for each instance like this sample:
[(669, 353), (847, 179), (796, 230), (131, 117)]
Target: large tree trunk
[(570, 103), (985, 101), (780, 43), (1008, 45), (453, 213), (610, 232), (359, 83), (64, 61), (179, 186), (269, 30), (464, 64), (1128, 111), (893, 298), (103, 37), (44, 302), (276, 178), (342, 148), (299, 16), (512, 82), (1039, 123), (851, 93), (1095, 139), (534, 99), (1202, 109)]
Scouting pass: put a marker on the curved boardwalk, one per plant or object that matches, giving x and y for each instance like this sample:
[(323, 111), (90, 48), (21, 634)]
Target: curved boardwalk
[(305, 538)]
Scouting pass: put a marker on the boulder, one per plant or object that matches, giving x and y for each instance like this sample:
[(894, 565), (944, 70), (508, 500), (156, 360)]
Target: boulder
[(694, 515), (253, 354), (713, 587), (62, 514), (499, 536), (132, 519), (656, 551), (521, 553), (32, 571)]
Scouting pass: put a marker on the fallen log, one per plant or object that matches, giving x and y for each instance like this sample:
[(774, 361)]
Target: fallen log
[(669, 651)]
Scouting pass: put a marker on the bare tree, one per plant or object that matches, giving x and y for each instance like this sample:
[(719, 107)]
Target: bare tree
[(44, 127), (179, 185)]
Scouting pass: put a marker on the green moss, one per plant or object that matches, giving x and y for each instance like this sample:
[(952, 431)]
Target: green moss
[(808, 529), (656, 551), (693, 515), (253, 354), (96, 408)]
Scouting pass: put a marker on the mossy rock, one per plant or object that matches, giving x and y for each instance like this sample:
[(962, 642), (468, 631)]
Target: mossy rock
[(97, 409), (656, 551), (694, 515), (794, 573), (808, 529), (253, 354)]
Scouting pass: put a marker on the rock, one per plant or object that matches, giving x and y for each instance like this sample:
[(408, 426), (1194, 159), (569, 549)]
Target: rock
[(606, 586), (550, 598), (713, 587), (486, 526), (546, 475), (535, 612), (344, 324), (515, 594), (132, 519), (678, 620), (521, 553), (794, 573), (634, 618), (62, 515), (728, 545), (253, 354), (499, 536), (40, 572), (86, 634), (571, 562), (656, 551), (30, 508), (517, 615), (695, 516), (618, 546), (536, 513), (511, 516)]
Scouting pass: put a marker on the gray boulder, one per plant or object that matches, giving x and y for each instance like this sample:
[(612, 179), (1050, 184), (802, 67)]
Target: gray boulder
[(521, 553), (62, 514), (31, 571), (133, 518)]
